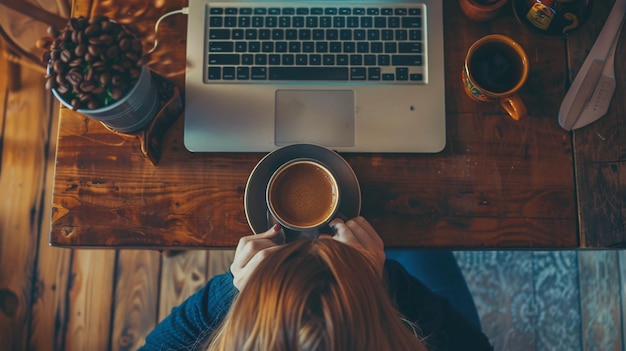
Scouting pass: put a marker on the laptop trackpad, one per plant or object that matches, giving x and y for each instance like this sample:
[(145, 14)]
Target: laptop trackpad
[(324, 117)]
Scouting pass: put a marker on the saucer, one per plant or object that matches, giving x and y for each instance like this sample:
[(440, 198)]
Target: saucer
[(254, 196)]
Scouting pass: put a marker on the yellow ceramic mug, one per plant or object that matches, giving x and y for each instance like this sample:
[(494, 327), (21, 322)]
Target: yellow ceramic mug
[(495, 68)]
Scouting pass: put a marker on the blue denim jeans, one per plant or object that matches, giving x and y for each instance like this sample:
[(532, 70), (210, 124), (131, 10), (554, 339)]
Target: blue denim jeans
[(439, 271)]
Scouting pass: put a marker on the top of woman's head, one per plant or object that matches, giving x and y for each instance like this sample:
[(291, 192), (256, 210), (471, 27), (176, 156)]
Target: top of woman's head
[(314, 295)]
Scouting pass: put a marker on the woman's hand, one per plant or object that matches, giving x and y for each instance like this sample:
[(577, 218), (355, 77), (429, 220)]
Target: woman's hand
[(359, 233), (251, 250)]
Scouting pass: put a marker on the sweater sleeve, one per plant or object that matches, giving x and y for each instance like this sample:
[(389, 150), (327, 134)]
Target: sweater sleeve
[(189, 325), (440, 326)]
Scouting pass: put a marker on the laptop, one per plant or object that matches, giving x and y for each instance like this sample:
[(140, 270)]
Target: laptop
[(354, 76)]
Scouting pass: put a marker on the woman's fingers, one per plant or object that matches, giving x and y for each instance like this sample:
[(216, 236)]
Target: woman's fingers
[(248, 248), (369, 230), (240, 279), (343, 232), (248, 245), (358, 232)]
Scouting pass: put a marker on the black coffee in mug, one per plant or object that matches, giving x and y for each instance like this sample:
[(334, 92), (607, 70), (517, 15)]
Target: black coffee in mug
[(496, 66)]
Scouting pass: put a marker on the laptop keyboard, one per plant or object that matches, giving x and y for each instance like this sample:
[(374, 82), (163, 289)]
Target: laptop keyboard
[(327, 43)]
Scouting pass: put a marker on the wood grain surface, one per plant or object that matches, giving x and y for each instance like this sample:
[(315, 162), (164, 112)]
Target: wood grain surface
[(49, 314), (498, 183), (91, 294), (136, 297), (600, 148), (183, 274), (24, 148)]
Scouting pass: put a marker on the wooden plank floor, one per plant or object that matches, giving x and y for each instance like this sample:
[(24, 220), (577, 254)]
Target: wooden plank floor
[(62, 299)]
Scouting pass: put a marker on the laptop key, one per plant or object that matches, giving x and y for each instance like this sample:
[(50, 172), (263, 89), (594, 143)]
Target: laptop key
[(315, 60), (260, 59), (259, 73), (357, 73), (251, 34), (230, 21), (254, 46), (342, 60), (401, 34), (406, 60), (393, 22), (228, 73), (326, 22), (400, 11), (356, 60), (223, 59), (411, 22), (215, 73), (301, 60), (298, 22), (274, 59), (243, 73), (291, 34), (267, 46), (332, 34), (402, 73), (318, 34), (244, 21), (281, 46), (215, 21), (221, 46), (257, 21), (363, 47), (380, 22), (265, 34), (237, 34), (373, 73), (415, 34), (219, 34), (369, 60), (247, 59), (308, 73), (410, 48), (288, 59)]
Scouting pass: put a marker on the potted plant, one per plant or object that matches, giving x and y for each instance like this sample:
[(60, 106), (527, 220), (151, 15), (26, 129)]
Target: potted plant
[(95, 67)]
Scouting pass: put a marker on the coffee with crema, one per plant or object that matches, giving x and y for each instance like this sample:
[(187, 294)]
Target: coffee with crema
[(303, 194)]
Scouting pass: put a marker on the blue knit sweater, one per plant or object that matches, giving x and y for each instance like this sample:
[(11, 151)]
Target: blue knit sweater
[(189, 325)]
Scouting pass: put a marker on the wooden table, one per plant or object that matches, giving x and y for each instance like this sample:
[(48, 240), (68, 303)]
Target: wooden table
[(497, 184)]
